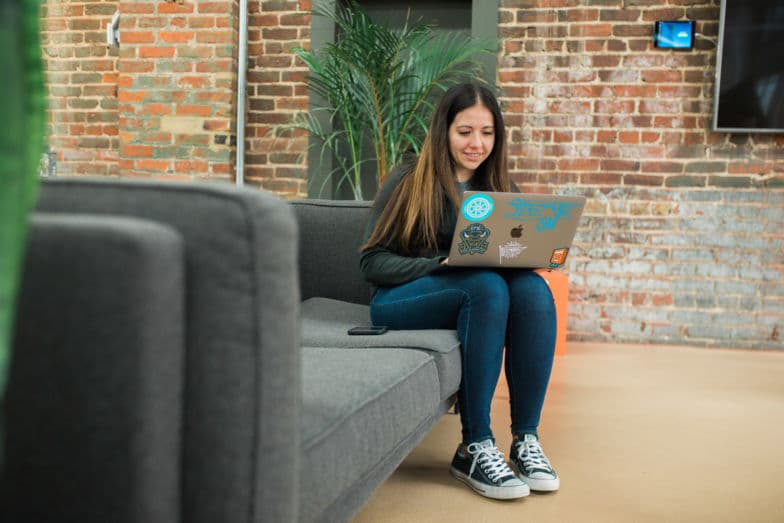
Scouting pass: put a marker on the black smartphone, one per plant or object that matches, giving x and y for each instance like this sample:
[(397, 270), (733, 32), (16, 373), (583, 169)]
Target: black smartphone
[(367, 330)]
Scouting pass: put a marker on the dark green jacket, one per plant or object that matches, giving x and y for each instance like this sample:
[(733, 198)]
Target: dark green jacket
[(384, 266)]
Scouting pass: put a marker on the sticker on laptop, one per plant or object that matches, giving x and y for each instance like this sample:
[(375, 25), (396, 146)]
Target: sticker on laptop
[(474, 239), (510, 250), (546, 214), (558, 257), (477, 207)]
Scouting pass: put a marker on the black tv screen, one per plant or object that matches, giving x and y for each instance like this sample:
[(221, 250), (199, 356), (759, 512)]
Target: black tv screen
[(749, 93)]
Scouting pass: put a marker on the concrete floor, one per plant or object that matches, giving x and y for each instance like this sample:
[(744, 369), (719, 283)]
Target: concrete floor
[(636, 433)]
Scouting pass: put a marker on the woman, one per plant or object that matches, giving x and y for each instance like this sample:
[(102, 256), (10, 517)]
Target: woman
[(408, 237)]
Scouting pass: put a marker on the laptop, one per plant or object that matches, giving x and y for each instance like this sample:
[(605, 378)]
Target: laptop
[(529, 231)]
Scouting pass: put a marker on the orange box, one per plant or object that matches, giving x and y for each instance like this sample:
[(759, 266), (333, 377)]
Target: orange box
[(558, 282)]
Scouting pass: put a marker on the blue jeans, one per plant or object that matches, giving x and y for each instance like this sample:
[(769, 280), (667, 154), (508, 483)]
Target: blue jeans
[(489, 309)]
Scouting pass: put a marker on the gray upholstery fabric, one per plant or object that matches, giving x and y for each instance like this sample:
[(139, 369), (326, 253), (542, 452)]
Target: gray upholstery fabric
[(330, 235), (217, 425), (362, 408), (243, 355), (94, 400), (325, 322), (335, 299)]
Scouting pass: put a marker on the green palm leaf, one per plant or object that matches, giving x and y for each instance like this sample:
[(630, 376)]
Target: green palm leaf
[(21, 143)]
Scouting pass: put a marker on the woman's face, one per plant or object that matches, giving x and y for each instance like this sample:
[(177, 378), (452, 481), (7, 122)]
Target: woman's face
[(471, 139)]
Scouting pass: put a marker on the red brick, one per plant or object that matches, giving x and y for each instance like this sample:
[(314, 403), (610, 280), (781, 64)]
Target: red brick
[(176, 36), (217, 125), (214, 37), (669, 13), (578, 164), (661, 299), (214, 66), (153, 165), (749, 167), (199, 22), (175, 7), (156, 52), (194, 82), (603, 136), (135, 7), (641, 179), (138, 37), (191, 166), (136, 151), (222, 168), (197, 110), (137, 66), (629, 136), (662, 167), (126, 95), (295, 19), (601, 178), (155, 109), (224, 21), (662, 76), (620, 165)]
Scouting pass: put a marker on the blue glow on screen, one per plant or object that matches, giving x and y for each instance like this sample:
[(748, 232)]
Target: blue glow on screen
[(674, 35)]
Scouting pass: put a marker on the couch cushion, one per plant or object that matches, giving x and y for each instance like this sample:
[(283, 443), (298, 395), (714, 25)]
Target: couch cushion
[(325, 322), (363, 412)]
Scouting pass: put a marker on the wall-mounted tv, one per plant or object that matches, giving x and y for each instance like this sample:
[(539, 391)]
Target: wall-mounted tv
[(749, 93)]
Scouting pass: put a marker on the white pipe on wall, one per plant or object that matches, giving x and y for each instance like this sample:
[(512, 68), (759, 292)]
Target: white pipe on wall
[(242, 68)]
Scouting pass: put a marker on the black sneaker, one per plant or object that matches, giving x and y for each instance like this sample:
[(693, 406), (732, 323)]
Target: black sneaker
[(485, 471), (532, 465)]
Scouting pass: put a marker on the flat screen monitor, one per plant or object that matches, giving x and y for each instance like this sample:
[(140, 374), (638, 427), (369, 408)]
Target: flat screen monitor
[(674, 35), (749, 94)]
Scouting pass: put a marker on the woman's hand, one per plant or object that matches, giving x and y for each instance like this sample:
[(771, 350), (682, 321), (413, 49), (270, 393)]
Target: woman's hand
[(445, 261)]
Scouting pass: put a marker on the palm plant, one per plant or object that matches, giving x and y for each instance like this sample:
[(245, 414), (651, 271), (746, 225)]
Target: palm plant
[(21, 143), (378, 87)]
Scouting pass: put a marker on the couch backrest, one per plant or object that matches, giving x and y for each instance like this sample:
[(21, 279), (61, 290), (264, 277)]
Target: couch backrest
[(331, 232)]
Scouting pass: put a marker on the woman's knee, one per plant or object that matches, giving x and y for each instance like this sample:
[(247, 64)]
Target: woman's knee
[(486, 286), (528, 289)]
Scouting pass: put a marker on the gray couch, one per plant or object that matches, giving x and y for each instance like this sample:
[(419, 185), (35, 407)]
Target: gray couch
[(181, 354)]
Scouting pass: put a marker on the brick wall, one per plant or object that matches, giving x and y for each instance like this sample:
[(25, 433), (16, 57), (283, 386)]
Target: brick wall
[(177, 76), (277, 89), (82, 78), (682, 239)]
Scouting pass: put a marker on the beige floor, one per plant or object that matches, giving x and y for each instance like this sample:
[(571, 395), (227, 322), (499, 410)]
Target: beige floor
[(637, 434)]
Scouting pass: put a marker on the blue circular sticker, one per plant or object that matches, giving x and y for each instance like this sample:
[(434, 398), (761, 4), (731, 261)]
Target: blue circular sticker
[(477, 207)]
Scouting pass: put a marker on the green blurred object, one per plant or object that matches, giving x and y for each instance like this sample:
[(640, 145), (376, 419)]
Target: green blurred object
[(22, 105), (378, 87)]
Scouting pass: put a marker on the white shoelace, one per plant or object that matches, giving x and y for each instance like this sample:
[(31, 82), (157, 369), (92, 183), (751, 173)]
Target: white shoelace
[(531, 454), (489, 458)]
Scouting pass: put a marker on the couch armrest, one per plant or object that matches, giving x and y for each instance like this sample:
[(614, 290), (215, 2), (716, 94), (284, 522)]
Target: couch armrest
[(94, 401), (330, 235), (241, 440)]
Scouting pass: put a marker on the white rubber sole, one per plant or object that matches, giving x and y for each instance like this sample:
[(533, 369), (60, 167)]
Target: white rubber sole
[(538, 485), (508, 492)]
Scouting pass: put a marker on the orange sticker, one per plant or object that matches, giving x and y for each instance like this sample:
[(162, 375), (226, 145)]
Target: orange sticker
[(558, 257)]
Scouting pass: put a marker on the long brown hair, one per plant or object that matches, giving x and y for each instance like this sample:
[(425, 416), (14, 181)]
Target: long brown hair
[(411, 218)]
